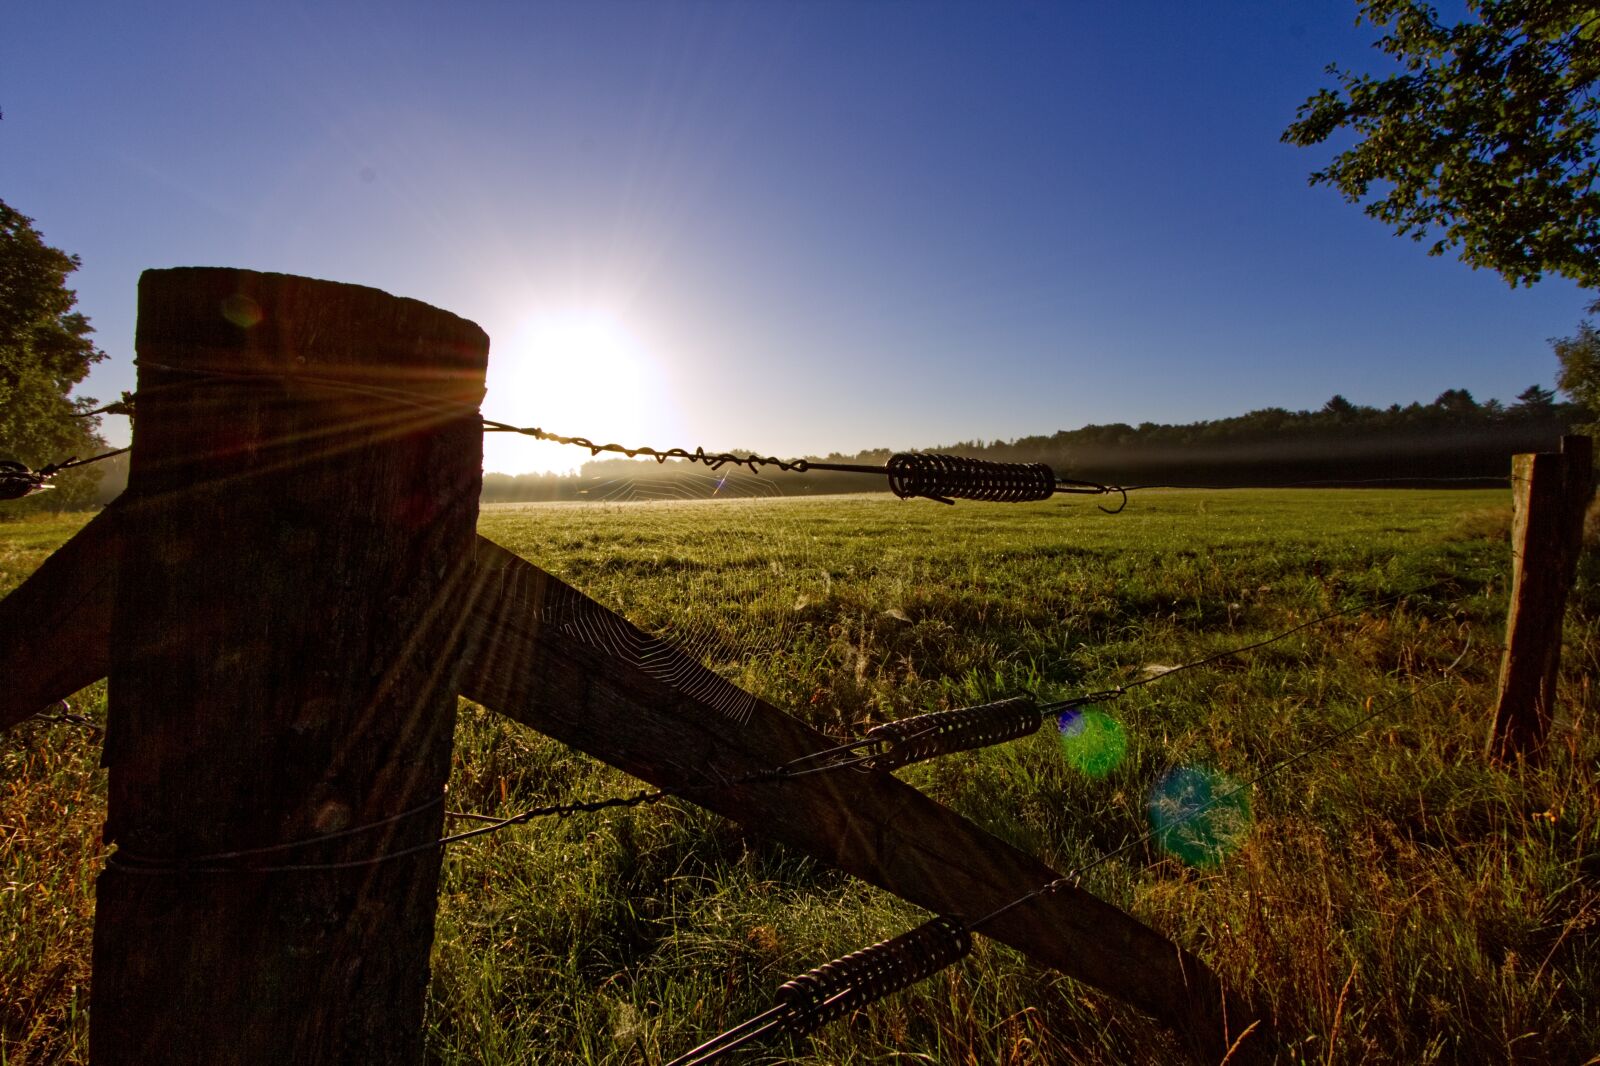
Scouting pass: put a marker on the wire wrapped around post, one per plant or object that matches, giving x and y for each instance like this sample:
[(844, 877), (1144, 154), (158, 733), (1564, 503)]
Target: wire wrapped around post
[(926, 736)]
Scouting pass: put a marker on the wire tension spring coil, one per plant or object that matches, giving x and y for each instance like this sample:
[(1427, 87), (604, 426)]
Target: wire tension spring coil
[(946, 478), (927, 736), (836, 988)]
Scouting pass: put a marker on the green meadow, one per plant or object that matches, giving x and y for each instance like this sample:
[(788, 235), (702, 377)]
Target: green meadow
[(1388, 894)]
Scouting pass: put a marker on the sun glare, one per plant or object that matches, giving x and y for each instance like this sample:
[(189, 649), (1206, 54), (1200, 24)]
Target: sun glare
[(577, 372)]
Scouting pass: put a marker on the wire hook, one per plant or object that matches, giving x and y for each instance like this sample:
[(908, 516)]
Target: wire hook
[(1120, 506)]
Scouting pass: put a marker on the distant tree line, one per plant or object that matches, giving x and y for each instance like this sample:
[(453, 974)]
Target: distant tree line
[(1454, 438)]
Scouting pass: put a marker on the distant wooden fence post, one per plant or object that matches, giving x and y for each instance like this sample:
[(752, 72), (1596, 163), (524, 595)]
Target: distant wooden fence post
[(299, 522), (1551, 492)]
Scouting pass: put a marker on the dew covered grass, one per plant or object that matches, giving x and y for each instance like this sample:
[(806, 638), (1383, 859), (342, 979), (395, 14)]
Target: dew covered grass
[(1390, 896)]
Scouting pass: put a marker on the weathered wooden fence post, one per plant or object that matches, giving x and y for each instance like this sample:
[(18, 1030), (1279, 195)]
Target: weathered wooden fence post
[(300, 518), (1551, 492)]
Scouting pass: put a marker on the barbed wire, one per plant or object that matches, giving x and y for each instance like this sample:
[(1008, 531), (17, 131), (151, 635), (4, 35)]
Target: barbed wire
[(886, 747), (864, 977), (931, 476), (1073, 876), (1498, 479), (61, 711), (925, 475), (17, 481), (715, 460)]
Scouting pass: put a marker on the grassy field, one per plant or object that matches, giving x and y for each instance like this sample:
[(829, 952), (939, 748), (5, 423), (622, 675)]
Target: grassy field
[(1390, 896)]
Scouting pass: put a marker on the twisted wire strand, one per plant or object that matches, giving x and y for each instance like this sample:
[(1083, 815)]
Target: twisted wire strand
[(1367, 605), (714, 460), (932, 476), (130, 860), (1072, 877), (215, 863), (61, 711), (883, 748), (1496, 479), (17, 481), (922, 475), (836, 988)]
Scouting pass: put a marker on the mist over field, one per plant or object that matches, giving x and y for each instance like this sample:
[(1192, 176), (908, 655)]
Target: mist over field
[(1455, 437)]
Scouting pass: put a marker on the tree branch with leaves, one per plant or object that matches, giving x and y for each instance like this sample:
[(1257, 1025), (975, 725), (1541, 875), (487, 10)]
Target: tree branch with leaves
[(45, 351), (1485, 141), (1579, 355)]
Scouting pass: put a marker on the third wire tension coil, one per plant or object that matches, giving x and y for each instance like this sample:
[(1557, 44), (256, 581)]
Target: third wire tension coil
[(836, 988)]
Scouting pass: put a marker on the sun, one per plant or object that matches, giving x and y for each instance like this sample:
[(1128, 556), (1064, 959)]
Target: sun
[(580, 372)]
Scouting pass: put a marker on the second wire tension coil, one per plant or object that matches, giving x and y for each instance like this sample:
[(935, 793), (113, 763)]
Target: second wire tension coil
[(926, 736)]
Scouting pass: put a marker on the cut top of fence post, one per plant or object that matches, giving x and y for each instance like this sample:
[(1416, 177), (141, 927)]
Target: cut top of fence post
[(226, 320), (358, 364)]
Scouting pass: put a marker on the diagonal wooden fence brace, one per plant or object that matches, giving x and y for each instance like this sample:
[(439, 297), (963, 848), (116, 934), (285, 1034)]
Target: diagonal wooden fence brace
[(544, 654), (55, 628)]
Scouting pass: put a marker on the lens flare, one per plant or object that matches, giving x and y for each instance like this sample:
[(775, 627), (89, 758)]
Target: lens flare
[(1199, 816), (242, 311), (1092, 741)]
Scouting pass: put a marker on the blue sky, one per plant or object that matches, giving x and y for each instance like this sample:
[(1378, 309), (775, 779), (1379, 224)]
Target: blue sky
[(795, 226)]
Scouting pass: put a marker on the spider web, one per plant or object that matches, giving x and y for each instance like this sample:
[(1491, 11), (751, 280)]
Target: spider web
[(714, 568)]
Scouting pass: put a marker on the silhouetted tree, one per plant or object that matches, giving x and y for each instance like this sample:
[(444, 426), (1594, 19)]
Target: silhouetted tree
[(1456, 401), (44, 351), (1338, 406), (1535, 399)]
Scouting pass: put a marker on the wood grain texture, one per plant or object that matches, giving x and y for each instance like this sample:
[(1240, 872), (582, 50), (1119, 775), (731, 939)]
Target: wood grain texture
[(542, 653), (299, 517), (1550, 493)]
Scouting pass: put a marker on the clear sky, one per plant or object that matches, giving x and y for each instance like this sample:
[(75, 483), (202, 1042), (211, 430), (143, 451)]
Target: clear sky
[(797, 226)]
